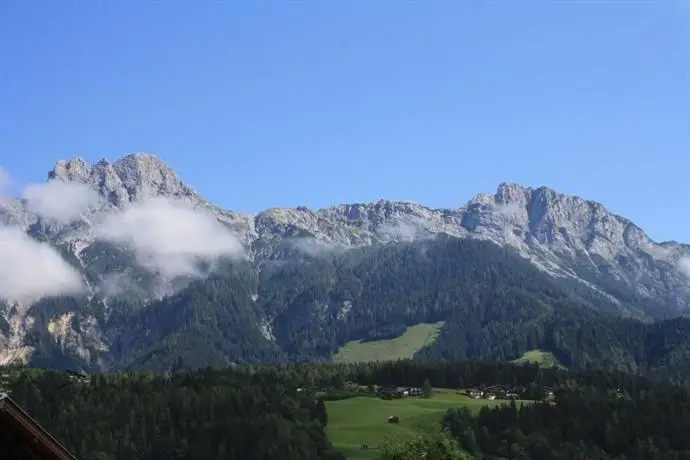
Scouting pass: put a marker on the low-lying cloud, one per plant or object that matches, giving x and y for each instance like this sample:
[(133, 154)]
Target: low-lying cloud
[(168, 237), (316, 248), (64, 202), (30, 270), (684, 264), (117, 283)]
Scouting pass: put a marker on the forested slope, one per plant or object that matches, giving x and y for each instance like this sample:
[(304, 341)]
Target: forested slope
[(298, 306)]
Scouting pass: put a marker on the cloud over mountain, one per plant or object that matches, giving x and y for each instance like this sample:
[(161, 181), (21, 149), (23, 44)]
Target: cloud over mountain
[(169, 236), (30, 270), (685, 266), (61, 201)]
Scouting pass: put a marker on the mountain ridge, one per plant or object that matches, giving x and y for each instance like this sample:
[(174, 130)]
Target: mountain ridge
[(553, 230), (134, 234)]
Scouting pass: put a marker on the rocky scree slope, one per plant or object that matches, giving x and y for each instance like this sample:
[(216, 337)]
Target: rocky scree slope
[(568, 238)]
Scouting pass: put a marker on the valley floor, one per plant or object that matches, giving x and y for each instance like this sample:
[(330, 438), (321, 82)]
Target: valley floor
[(363, 419)]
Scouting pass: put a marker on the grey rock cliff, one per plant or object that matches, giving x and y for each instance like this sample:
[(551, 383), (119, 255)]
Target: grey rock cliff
[(566, 236), (134, 177)]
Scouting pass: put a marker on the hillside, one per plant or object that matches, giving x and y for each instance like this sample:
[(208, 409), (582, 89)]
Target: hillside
[(138, 271)]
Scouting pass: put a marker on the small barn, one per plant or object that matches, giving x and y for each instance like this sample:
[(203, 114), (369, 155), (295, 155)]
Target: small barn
[(21, 437)]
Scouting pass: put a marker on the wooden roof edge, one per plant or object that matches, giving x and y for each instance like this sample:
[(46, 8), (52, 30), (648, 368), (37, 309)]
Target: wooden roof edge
[(8, 405)]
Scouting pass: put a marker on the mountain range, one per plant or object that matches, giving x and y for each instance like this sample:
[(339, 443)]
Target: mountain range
[(121, 265)]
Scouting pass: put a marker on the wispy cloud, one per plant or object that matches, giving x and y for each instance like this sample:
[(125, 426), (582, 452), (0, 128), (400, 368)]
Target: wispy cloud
[(314, 247), (117, 283), (169, 237), (62, 201), (684, 265), (30, 270)]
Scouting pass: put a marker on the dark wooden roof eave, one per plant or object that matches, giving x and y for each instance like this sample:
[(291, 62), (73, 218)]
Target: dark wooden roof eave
[(51, 445)]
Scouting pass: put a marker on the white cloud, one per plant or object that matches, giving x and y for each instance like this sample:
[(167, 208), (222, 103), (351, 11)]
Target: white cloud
[(314, 247), (169, 237), (684, 264), (115, 284), (30, 270), (61, 201)]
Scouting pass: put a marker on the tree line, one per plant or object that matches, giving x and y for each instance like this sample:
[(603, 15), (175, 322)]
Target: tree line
[(259, 412)]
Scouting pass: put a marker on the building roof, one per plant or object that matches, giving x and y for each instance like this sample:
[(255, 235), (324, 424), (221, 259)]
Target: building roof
[(22, 437)]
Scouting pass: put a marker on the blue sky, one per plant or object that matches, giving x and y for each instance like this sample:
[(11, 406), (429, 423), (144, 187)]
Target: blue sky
[(284, 103)]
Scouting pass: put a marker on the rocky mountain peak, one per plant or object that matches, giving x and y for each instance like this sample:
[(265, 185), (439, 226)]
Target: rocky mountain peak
[(144, 175), (132, 178), (508, 193), (74, 170)]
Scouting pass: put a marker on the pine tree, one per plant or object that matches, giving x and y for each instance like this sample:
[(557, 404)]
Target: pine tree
[(427, 391)]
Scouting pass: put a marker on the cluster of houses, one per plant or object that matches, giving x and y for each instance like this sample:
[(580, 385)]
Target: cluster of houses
[(388, 392), (501, 392)]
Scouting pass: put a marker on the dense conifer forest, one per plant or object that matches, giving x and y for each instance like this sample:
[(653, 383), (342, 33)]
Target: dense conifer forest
[(193, 376), (262, 412), (302, 307)]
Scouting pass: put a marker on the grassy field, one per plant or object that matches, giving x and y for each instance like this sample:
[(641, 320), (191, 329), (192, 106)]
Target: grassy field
[(362, 419), (405, 346), (543, 358)]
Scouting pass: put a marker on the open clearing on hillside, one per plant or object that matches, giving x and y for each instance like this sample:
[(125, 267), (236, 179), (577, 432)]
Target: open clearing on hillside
[(540, 357), (362, 419), (405, 346)]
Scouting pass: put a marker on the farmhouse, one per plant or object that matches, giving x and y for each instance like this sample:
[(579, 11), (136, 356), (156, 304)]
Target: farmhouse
[(78, 376), (475, 393), (414, 391), (392, 392)]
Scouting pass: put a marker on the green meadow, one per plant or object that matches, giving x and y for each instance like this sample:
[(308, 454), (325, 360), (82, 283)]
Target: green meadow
[(540, 357), (363, 419), (405, 346)]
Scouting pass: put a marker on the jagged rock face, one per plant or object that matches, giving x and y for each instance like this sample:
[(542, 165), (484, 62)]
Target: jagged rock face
[(565, 236), (574, 237), (132, 178)]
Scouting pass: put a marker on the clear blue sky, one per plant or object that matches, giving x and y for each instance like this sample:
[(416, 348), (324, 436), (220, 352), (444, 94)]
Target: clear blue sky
[(282, 103)]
